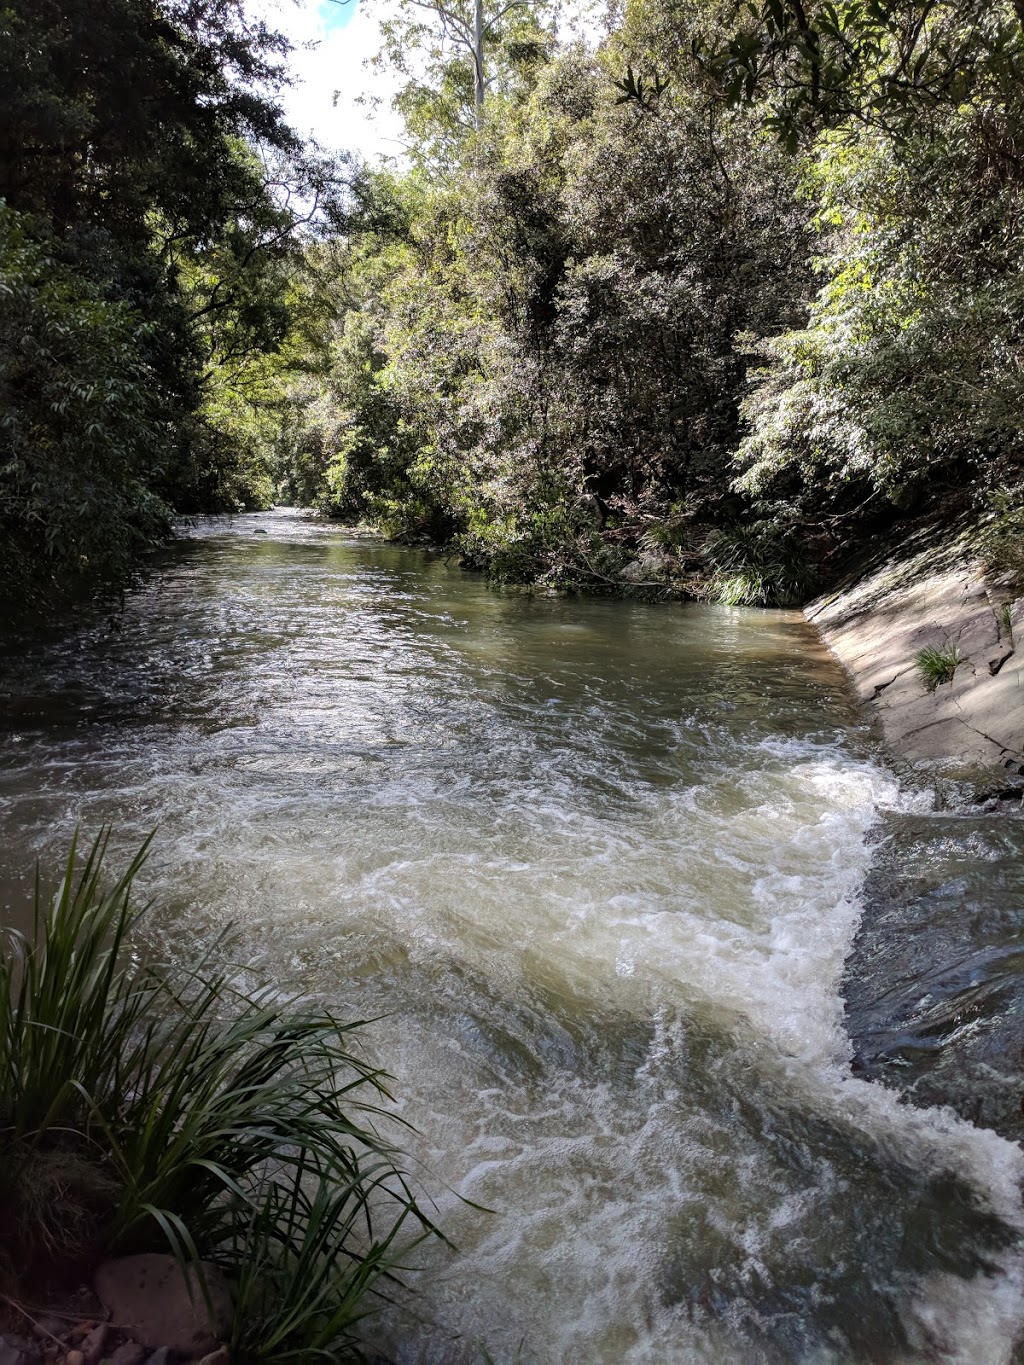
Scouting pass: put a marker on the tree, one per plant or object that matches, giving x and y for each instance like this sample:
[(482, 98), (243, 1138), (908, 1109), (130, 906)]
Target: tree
[(718, 307), (143, 150), (890, 64), (80, 429), (473, 28), (454, 57), (555, 339)]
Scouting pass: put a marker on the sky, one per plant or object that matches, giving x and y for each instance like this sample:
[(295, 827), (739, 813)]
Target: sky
[(333, 41)]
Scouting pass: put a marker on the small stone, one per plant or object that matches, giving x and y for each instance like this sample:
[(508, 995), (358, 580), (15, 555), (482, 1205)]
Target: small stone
[(219, 1357), (48, 1326), (74, 1358), (997, 660), (94, 1344), (164, 1356), (129, 1353)]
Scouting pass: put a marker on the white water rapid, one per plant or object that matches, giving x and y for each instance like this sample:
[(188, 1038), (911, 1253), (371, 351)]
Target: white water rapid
[(595, 868)]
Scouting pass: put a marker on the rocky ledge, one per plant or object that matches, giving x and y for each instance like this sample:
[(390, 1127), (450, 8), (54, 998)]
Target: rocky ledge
[(933, 987), (937, 597)]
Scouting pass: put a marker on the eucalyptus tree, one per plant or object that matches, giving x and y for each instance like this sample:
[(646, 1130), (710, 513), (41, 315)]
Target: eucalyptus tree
[(454, 54), (473, 27)]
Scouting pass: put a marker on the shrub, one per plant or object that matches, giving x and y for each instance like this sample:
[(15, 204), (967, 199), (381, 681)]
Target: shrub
[(758, 567), (143, 1104), (1001, 539)]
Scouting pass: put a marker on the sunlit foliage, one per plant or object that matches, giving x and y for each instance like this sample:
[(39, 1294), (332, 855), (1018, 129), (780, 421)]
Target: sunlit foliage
[(750, 269)]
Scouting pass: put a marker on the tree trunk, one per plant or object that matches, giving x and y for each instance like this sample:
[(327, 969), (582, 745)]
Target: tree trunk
[(478, 61)]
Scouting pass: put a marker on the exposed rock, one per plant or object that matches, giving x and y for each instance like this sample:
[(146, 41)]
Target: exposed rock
[(218, 1357), (164, 1356), (996, 661), (149, 1297), (649, 568), (75, 1357), (876, 627)]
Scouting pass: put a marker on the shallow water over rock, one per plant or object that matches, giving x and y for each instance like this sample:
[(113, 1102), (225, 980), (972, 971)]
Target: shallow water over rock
[(935, 984), (594, 867)]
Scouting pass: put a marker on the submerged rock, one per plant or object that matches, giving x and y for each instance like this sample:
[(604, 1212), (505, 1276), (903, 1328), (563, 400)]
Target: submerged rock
[(934, 985), (128, 1353)]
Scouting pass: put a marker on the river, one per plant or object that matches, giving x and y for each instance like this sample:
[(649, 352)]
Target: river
[(595, 868)]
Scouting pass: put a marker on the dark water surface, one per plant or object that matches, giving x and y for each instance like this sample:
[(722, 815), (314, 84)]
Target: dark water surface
[(599, 864)]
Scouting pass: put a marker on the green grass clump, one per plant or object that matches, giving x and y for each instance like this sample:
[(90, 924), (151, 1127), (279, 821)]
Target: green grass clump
[(143, 1106), (938, 665)]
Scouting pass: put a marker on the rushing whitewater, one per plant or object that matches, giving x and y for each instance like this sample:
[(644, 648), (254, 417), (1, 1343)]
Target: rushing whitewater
[(594, 867)]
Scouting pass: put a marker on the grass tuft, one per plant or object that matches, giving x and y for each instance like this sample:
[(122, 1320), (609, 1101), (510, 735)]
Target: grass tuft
[(938, 665), (143, 1106)]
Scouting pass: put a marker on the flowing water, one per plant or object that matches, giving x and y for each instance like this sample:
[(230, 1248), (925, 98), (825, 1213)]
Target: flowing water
[(598, 865)]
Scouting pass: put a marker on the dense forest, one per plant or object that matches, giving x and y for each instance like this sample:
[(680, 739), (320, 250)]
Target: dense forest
[(704, 308)]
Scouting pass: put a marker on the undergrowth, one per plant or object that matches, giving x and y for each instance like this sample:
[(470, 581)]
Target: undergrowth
[(145, 1106), (758, 567), (1001, 539)]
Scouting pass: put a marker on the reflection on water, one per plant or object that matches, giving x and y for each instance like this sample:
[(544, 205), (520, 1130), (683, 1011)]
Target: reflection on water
[(598, 866)]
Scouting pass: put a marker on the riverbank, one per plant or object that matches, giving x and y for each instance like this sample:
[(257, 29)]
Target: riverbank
[(933, 987), (927, 596)]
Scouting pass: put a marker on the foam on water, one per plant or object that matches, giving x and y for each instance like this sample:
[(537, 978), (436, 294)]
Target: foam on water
[(599, 867)]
